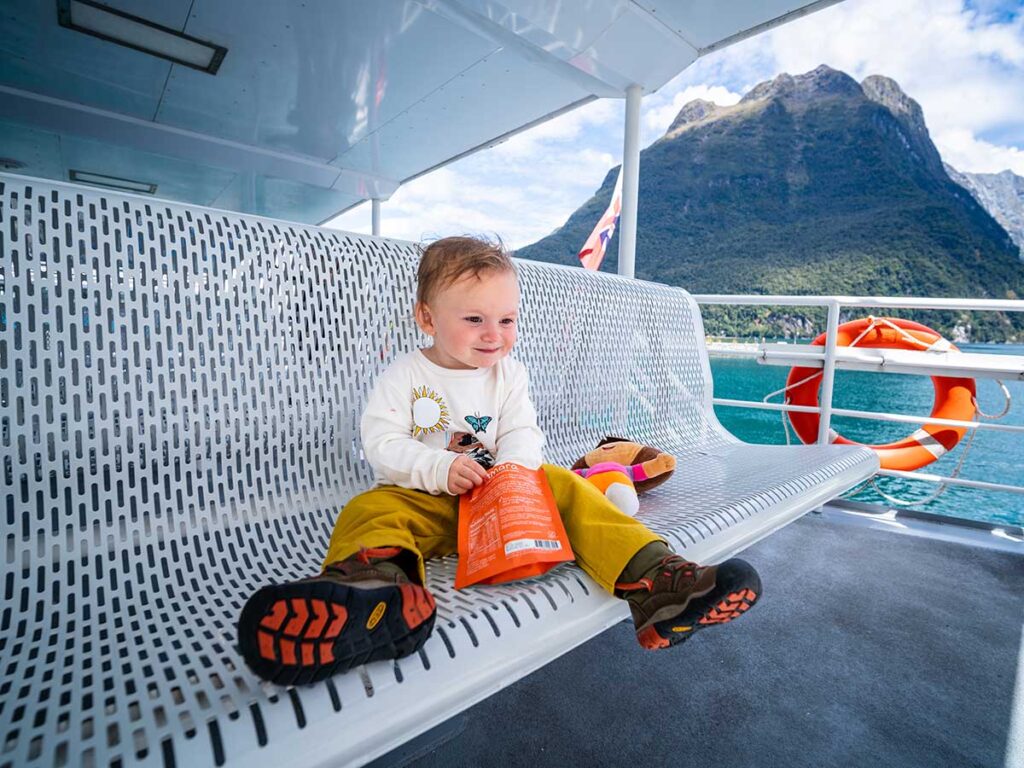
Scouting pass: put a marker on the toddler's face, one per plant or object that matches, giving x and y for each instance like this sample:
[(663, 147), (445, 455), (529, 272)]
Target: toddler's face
[(473, 320)]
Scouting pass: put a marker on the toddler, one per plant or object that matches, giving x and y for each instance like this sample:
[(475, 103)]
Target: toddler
[(436, 421)]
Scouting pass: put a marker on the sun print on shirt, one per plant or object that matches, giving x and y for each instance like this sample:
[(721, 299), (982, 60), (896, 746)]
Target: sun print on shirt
[(429, 412)]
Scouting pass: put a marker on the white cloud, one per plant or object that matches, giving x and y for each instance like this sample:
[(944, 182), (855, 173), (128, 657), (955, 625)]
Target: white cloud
[(483, 194), (965, 152), (570, 126)]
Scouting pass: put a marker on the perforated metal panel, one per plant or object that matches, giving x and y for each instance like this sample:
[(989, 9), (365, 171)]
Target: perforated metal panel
[(180, 392)]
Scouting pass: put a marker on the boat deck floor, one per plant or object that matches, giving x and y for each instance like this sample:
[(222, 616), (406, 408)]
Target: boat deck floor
[(868, 649)]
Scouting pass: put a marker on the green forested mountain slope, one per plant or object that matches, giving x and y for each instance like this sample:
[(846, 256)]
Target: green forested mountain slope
[(810, 184)]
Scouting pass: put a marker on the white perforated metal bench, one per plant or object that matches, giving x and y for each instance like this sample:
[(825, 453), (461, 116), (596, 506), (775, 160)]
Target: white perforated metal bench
[(180, 392)]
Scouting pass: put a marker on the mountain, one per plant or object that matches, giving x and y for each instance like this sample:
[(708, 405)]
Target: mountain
[(1001, 194), (810, 184)]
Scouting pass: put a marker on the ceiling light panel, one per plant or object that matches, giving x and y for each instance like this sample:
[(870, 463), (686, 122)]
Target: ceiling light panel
[(112, 182), (138, 33)]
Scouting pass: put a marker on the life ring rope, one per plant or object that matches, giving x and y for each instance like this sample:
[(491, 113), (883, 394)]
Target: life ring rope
[(873, 322), (979, 415)]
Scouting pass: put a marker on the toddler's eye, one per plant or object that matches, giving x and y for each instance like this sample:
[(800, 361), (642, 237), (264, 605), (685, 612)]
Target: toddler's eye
[(472, 319), (508, 321)]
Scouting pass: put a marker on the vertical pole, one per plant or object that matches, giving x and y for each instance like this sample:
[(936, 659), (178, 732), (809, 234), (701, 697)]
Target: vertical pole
[(630, 182), (375, 217), (248, 192), (828, 373)]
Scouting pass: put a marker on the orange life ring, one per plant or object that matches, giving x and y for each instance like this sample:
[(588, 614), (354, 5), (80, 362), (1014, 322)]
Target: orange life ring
[(954, 397)]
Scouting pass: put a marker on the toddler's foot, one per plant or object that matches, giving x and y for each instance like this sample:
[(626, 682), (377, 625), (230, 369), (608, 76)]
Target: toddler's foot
[(358, 610), (676, 598)]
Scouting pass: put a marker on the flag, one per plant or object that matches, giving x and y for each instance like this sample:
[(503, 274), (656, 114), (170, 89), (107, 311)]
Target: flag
[(592, 252)]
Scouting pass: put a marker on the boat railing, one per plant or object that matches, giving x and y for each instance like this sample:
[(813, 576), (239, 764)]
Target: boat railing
[(831, 358)]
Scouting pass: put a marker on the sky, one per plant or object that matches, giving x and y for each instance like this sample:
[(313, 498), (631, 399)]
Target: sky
[(962, 61)]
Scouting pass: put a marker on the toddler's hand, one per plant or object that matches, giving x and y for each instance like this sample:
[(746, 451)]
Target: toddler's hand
[(465, 475)]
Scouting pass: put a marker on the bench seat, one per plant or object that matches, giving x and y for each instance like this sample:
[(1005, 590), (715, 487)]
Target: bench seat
[(180, 398)]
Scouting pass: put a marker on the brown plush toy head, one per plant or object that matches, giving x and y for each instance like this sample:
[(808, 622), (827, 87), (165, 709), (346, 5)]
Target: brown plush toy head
[(658, 465)]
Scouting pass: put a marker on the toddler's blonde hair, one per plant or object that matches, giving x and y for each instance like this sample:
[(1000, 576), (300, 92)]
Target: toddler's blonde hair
[(445, 261)]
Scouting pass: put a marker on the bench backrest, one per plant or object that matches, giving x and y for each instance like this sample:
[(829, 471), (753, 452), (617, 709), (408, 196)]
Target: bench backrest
[(162, 367), (177, 381)]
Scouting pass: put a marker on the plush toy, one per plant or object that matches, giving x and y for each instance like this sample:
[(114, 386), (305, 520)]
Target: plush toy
[(621, 468)]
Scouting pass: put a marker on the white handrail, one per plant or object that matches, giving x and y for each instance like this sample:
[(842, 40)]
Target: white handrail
[(928, 477), (902, 361), (871, 415), (891, 302)]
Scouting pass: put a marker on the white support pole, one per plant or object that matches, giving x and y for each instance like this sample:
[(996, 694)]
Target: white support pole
[(375, 217), (630, 182), (828, 373)]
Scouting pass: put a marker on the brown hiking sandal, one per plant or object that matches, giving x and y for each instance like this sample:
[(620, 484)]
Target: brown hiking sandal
[(361, 609), (677, 598)]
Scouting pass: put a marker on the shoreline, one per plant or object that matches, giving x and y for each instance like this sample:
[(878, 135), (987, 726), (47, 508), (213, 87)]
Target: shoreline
[(742, 341)]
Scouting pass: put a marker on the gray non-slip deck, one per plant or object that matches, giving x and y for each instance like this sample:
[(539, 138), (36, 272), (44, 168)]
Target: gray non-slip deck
[(869, 649)]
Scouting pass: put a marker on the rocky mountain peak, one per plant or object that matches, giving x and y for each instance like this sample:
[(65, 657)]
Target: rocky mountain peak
[(792, 89), (887, 92), (811, 85), (692, 112)]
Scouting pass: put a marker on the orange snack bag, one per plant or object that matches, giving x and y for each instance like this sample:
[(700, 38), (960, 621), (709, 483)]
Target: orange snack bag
[(509, 528)]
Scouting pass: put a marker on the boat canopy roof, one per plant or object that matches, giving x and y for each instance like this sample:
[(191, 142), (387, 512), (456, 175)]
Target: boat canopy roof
[(302, 110)]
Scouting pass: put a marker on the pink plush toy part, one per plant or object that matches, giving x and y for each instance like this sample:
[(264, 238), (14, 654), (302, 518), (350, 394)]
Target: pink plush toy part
[(620, 468), (615, 481)]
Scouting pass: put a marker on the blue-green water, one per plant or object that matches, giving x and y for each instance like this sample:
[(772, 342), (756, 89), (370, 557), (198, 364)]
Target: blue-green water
[(994, 456)]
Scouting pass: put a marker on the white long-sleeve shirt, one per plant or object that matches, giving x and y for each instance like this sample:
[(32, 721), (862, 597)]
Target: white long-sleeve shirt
[(420, 417)]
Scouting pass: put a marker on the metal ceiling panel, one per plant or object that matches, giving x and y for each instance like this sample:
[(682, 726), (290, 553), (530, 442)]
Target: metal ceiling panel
[(175, 179), (549, 34), (34, 149), (282, 199), (465, 113), (39, 55), (315, 79), (324, 103), (552, 25), (706, 24), (635, 31)]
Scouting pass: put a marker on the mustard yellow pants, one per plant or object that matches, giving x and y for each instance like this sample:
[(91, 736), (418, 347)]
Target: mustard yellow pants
[(602, 538)]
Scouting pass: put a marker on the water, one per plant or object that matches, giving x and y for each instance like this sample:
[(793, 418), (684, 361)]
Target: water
[(993, 457)]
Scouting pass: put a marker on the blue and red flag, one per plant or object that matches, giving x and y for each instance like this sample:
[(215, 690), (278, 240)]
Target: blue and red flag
[(592, 252)]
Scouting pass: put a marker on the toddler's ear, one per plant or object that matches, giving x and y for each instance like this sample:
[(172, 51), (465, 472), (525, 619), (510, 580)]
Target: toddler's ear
[(424, 319)]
